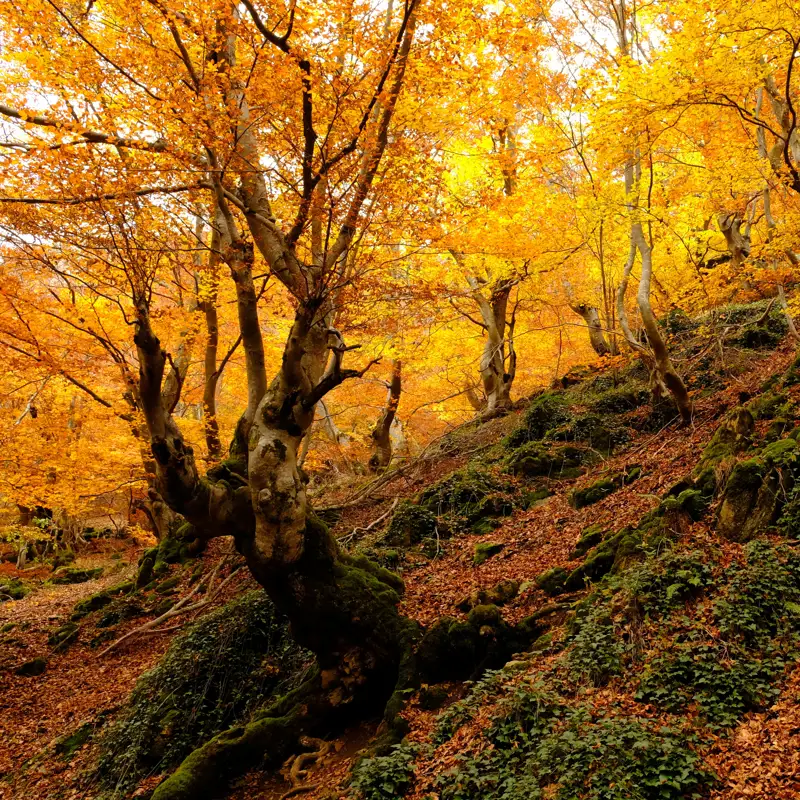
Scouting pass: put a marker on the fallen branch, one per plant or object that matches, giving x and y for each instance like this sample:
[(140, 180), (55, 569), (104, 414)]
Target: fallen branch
[(181, 607), (387, 477), (366, 529)]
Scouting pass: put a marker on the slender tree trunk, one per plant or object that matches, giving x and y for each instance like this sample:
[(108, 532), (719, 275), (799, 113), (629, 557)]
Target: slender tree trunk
[(666, 372), (381, 434), (591, 317)]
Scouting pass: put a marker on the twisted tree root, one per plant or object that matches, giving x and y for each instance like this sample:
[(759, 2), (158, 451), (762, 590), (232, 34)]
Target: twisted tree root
[(298, 772)]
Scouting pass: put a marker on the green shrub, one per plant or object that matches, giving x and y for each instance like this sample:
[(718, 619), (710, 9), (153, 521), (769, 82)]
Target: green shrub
[(540, 747), (721, 681), (663, 582), (760, 598), (595, 654), (385, 777), (216, 672)]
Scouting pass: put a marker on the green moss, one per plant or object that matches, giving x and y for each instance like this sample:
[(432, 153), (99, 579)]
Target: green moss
[(63, 558), (536, 460), (449, 649), (598, 563), (214, 673), (13, 589), (67, 575), (206, 769), (792, 375), (597, 491), (99, 600), (469, 496), (67, 746), (692, 502), (552, 582), (146, 567), (770, 405), (621, 399), (432, 697), (410, 524), (485, 550), (548, 411), (782, 453), (733, 436), (530, 499), (590, 537), (62, 638), (168, 584), (498, 595), (597, 432)]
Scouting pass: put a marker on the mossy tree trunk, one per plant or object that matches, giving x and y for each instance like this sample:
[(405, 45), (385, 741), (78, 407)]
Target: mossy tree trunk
[(345, 610)]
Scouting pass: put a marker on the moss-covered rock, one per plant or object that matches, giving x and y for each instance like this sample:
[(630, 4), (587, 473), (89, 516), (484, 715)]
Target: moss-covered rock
[(13, 589), (548, 411), (215, 673), (99, 600), (448, 650), (621, 399), (597, 432), (733, 436), (62, 558), (411, 524), (590, 537), (452, 650), (68, 745), (600, 489), (168, 584), (537, 460), (483, 551), (497, 595), (552, 582), (469, 497), (147, 563), (64, 636), (36, 666), (770, 405), (432, 698), (67, 575)]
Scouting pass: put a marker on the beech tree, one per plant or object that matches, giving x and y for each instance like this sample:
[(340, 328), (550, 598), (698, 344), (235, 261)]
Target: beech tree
[(199, 99)]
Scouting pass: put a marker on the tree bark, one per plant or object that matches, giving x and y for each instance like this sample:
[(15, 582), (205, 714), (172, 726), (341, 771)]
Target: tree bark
[(381, 434), (591, 317)]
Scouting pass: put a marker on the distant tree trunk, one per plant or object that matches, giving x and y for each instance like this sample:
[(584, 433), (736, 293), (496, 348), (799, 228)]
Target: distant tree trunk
[(591, 317), (498, 364), (381, 439), (666, 371), (737, 240), (475, 400)]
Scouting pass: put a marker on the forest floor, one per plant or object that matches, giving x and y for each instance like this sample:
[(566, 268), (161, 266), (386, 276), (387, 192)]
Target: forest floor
[(759, 758)]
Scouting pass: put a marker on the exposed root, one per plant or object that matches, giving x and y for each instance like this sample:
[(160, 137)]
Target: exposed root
[(297, 765)]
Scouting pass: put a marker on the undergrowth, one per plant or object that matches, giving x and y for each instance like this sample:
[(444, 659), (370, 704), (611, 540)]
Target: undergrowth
[(215, 673)]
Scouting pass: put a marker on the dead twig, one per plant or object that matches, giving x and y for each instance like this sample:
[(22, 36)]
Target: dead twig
[(181, 607), (366, 529)]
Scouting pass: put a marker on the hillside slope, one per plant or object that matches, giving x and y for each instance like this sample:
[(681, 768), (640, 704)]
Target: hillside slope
[(611, 605)]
